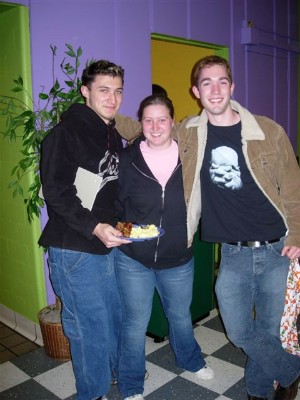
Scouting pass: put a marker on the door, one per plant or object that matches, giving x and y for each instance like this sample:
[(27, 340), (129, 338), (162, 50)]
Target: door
[(172, 63)]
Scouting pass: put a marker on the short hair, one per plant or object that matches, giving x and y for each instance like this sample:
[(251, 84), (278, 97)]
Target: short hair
[(101, 67), (153, 100), (209, 61)]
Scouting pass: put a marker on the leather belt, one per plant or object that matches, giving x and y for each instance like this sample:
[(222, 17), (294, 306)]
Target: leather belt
[(254, 243)]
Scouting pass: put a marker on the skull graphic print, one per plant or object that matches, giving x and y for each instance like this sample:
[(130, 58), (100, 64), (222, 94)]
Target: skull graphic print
[(224, 168)]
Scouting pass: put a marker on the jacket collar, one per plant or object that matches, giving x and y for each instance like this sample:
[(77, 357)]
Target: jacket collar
[(250, 128)]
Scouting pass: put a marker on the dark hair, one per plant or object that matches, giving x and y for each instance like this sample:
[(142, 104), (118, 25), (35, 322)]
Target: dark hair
[(209, 61), (153, 100), (101, 67), (157, 89)]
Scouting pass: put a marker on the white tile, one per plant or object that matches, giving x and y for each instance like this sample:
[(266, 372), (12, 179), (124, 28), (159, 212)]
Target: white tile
[(298, 396), (209, 339), (223, 398), (226, 375), (151, 346), (157, 377), (59, 380), (10, 376)]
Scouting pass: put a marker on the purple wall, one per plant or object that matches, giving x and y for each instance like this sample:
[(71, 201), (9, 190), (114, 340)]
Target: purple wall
[(265, 73)]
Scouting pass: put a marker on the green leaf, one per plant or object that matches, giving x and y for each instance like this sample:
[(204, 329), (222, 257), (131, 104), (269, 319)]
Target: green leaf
[(69, 83), (17, 89), (19, 81), (43, 96)]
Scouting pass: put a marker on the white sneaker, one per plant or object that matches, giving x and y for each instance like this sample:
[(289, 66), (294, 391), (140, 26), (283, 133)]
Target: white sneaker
[(135, 396), (205, 373)]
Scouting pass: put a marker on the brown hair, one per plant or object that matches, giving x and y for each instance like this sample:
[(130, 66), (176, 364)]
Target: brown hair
[(209, 61), (101, 67), (155, 99)]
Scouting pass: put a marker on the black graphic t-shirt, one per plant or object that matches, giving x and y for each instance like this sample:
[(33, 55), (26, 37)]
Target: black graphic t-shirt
[(233, 207)]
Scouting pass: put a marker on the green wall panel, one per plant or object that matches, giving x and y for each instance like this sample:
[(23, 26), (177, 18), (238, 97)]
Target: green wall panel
[(22, 283)]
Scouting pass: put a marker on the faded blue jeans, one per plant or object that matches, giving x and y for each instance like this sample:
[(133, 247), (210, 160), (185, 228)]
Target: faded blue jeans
[(91, 316), (256, 278), (136, 284)]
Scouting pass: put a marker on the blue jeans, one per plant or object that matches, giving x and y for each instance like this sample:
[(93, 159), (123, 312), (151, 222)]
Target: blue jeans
[(255, 278), (91, 316), (136, 284)]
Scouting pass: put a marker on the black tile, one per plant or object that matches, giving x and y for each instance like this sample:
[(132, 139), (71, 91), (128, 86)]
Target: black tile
[(29, 390), (237, 391), (73, 397), (215, 324), (231, 354), (180, 388), (164, 358), (114, 394), (36, 362)]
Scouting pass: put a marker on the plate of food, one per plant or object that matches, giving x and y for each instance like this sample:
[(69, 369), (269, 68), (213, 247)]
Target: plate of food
[(139, 233)]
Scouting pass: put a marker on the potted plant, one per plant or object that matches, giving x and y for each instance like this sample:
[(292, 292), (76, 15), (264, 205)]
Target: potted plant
[(30, 126), (36, 122)]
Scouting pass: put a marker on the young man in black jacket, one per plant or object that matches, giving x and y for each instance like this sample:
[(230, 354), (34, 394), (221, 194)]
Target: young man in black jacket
[(79, 171)]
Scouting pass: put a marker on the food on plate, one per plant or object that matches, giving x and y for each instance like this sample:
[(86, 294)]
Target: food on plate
[(125, 228), (130, 230), (144, 231)]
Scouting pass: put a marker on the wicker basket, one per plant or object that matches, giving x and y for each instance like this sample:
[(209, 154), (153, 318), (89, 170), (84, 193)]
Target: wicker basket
[(55, 342)]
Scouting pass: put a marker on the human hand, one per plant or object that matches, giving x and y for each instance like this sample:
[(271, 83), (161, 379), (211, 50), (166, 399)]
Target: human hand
[(291, 252), (109, 235)]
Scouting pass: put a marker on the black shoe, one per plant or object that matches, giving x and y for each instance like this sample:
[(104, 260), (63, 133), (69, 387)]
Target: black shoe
[(287, 393), (256, 398)]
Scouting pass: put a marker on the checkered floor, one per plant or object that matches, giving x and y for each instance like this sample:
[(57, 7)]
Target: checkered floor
[(35, 376)]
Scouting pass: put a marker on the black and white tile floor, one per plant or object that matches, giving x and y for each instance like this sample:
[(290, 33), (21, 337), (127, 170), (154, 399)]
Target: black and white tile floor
[(35, 376)]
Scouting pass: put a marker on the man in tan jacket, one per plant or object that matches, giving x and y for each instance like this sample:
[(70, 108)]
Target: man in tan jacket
[(242, 179)]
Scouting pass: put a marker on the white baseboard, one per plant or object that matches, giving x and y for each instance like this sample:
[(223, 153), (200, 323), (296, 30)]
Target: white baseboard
[(21, 324)]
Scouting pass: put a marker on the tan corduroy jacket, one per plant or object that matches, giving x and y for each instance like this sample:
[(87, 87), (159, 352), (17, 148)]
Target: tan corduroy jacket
[(268, 154)]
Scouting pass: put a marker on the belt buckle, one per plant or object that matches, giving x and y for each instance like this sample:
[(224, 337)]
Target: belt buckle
[(256, 243)]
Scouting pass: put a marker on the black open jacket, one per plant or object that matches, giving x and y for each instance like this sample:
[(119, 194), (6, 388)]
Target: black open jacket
[(142, 199)]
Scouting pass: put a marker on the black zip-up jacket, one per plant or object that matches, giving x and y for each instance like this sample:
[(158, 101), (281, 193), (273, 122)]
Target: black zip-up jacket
[(142, 200), (81, 139)]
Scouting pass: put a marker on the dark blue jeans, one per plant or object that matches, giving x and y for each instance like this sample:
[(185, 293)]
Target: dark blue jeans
[(136, 284), (91, 316), (256, 277)]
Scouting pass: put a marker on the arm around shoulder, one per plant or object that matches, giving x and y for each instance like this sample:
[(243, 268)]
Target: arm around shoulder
[(128, 127)]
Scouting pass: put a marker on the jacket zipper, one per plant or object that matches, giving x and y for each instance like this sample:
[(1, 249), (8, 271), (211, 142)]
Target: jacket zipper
[(162, 200)]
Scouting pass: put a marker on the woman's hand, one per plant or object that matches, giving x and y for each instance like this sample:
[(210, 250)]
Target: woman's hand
[(291, 252)]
